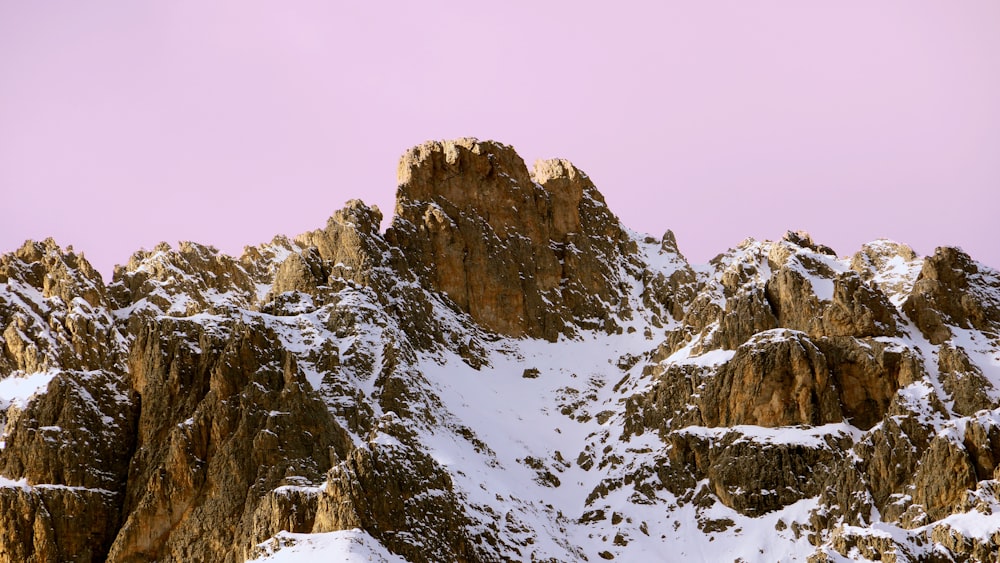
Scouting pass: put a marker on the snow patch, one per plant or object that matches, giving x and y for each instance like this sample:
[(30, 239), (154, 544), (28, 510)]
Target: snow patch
[(347, 546), (18, 389)]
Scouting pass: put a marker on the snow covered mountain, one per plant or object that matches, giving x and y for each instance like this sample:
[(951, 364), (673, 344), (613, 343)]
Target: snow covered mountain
[(505, 374)]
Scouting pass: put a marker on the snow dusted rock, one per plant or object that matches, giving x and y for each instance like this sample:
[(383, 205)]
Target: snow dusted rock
[(505, 374), (964, 381), (805, 240), (227, 416), (67, 413), (954, 290), (349, 245), (53, 311)]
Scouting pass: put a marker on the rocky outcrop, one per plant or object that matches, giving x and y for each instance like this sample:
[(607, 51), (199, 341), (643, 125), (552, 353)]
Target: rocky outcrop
[(778, 378), (523, 254), (64, 454), (964, 381), (757, 474), (226, 417), (952, 289), (54, 312)]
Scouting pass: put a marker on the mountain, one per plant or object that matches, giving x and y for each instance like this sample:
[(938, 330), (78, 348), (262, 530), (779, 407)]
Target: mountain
[(505, 374)]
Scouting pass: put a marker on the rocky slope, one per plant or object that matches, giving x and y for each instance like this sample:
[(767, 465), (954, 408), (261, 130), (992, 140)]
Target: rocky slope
[(505, 374)]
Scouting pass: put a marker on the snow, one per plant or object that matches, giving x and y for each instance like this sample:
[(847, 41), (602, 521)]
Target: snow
[(17, 389), (12, 484), (973, 524), (808, 436), (346, 546)]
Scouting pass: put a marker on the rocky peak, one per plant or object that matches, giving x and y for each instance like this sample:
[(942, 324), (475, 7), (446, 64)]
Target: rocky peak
[(805, 240), (523, 254), (183, 281), (952, 289), (350, 242), (53, 271)]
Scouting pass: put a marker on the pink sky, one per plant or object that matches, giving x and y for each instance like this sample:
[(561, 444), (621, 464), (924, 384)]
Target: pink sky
[(124, 123)]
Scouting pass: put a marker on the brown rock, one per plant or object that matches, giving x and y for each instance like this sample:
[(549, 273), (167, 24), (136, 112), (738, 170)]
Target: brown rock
[(982, 441), (952, 289), (889, 456), (964, 381), (522, 256), (350, 244), (55, 524), (778, 378), (57, 313), (226, 418), (191, 279), (754, 476), (384, 491), (867, 373), (856, 309), (805, 240), (944, 478)]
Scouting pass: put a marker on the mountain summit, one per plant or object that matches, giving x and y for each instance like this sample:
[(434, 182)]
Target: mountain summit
[(505, 374)]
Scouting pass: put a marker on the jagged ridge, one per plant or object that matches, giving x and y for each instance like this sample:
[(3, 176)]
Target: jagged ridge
[(506, 373)]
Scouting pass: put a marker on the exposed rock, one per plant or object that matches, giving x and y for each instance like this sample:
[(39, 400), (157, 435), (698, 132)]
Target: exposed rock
[(953, 289), (964, 381), (805, 240), (982, 442), (349, 243), (853, 308), (867, 374), (191, 279), (406, 501), (778, 378), (521, 255), (888, 459), (967, 548), (51, 524), (944, 477), (891, 265), (755, 475), (53, 312), (226, 418)]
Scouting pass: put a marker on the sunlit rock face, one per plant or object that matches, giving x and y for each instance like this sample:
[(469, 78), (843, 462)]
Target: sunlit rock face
[(506, 373)]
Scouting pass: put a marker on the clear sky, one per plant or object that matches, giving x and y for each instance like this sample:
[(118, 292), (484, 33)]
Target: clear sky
[(124, 123)]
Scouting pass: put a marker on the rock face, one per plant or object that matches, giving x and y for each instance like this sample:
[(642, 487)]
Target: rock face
[(506, 373), (525, 254)]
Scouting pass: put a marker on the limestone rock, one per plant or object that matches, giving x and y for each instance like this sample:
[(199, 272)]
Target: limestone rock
[(191, 279), (805, 240), (964, 381), (952, 289), (522, 255), (944, 477), (53, 524), (225, 418), (867, 373), (753, 475), (350, 243), (410, 506), (982, 442), (53, 312), (778, 378), (892, 266)]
